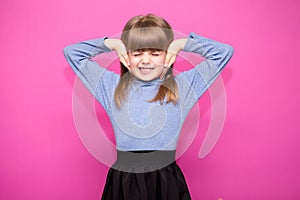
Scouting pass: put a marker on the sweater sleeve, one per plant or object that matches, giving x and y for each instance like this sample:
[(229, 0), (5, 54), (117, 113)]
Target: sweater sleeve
[(99, 81), (194, 82)]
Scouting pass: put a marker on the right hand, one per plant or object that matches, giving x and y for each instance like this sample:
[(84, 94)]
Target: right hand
[(119, 47)]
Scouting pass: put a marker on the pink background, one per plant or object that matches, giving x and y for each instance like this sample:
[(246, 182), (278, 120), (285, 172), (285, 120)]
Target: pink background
[(256, 157)]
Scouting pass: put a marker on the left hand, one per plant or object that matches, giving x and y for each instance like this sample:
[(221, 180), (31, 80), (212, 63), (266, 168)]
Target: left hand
[(173, 50)]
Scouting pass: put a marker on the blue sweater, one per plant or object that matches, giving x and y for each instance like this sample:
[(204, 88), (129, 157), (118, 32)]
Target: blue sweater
[(141, 125)]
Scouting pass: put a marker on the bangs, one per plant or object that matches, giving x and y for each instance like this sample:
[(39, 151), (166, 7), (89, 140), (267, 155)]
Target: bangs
[(153, 38)]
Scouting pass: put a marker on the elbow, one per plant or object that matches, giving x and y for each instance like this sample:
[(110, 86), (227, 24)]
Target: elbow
[(66, 51), (230, 51), (69, 53), (226, 56), (71, 57)]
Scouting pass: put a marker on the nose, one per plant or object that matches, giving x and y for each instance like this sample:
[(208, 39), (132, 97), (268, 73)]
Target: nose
[(146, 59)]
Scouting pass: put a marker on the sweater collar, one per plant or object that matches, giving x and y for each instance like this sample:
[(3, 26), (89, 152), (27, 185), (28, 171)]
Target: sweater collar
[(152, 82)]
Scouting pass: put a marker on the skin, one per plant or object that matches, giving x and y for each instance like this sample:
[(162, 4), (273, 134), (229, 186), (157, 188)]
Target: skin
[(159, 60), (147, 59)]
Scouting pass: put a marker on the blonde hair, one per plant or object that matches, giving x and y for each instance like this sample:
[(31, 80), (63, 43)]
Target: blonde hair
[(147, 32)]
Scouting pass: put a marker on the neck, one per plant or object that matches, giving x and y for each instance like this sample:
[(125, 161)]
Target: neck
[(150, 82)]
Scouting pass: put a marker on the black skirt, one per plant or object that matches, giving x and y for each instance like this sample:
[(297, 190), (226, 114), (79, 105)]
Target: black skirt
[(145, 175)]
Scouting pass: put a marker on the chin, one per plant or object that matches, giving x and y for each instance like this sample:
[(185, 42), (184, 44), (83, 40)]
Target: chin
[(146, 78)]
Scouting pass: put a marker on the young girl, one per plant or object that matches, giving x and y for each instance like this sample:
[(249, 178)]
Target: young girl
[(146, 103)]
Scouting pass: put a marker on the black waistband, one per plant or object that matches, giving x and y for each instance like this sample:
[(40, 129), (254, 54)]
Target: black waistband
[(143, 161)]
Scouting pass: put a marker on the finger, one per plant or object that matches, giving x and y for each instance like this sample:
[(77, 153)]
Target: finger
[(172, 60), (168, 58), (164, 73), (122, 60), (126, 63), (169, 61), (126, 58), (162, 76)]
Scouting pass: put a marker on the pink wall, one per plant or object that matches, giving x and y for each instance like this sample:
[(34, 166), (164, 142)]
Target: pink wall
[(256, 156)]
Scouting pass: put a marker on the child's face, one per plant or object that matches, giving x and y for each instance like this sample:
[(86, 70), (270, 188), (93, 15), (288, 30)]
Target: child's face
[(147, 64)]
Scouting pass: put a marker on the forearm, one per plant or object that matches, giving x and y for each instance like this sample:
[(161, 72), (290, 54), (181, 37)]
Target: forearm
[(88, 71), (195, 82), (79, 52), (216, 52)]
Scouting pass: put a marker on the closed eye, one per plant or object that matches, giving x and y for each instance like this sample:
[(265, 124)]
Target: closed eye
[(156, 54)]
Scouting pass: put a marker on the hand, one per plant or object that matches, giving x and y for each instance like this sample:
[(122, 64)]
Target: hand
[(173, 50), (119, 47)]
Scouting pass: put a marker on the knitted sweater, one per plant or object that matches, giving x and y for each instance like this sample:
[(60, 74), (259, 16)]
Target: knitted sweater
[(139, 124)]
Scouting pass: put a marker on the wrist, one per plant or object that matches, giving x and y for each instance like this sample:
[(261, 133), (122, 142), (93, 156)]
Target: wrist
[(177, 45), (111, 43), (181, 43)]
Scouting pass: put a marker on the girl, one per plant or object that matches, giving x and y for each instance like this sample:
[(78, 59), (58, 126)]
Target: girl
[(146, 103)]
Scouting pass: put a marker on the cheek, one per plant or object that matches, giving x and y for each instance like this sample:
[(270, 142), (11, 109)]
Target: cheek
[(160, 59), (133, 60)]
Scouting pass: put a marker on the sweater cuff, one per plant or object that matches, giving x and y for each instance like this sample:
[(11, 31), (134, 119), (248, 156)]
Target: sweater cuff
[(191, 41), (105, 48)]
